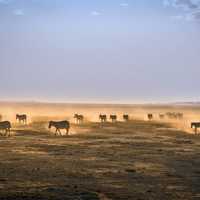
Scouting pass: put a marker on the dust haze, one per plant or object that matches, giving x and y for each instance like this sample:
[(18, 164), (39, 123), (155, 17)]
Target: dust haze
[(65, 111)]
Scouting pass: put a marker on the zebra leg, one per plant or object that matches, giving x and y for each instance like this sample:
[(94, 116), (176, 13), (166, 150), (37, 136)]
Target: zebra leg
[(67, 131), (56, 131), (59, 132), (6, 131), (9, 132)]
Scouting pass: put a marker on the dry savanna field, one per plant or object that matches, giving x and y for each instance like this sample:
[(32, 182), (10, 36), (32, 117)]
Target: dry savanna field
[(138, 159)]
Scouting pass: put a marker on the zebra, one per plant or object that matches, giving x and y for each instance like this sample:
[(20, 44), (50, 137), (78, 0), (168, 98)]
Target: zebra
[(79, 118), (113, 118), (126, 117), (161, 116), (1, 118), (21, 118), (173, 115), (195, 125), (60, 125), (179, 115), (103, 118), (150, 116), (5, 125)]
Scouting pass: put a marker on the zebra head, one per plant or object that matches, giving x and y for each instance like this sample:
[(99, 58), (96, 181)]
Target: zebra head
[(50, 124)]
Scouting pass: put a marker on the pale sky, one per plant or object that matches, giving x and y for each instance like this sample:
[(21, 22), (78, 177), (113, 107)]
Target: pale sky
[(100, 50)]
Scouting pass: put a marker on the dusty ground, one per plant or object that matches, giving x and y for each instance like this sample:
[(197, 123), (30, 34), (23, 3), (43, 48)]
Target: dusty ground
[(135, 160)]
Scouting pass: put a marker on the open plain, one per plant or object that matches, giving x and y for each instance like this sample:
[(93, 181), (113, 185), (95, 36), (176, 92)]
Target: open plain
[(138, 159)]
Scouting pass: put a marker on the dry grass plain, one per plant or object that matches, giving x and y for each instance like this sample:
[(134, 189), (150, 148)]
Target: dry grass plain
[(139, 159)]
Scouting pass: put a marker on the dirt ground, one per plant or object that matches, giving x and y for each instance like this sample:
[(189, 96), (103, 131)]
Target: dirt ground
[(135, 160), (139, 159)]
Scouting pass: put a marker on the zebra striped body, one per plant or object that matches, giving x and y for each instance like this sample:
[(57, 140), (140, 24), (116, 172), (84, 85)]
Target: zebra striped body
[(60, 125), (195, 125), (21, 118), (126, 117), (6, 126), (103, 118), (150, 116), (79, 118), (113, 118)]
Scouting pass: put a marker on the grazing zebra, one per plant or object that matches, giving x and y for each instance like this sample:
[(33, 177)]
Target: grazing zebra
[(150, 116), (103, 118), (79, 118), (21, 118), (113, 118), (195, 125), (60, 125), (126, 117), (6, 125), (161, 116)]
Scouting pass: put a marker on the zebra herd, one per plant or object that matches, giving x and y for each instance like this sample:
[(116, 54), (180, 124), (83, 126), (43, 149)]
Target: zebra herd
[(168, 115), (6, 125), (58, 125)]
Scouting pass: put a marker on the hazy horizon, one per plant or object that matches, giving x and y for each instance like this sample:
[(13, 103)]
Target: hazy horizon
[(100, 51)]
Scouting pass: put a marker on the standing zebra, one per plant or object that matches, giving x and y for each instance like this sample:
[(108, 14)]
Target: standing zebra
[(150, 117), (161, 116), (21, 118), (1, 118), (179, 115), (103, 118), (60, 125), (126, 118), (79, 118), (6, 125), (195, 125), (113, 118)]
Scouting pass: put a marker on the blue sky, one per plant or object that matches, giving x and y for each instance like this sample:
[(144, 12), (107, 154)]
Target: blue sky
[(125, 51)]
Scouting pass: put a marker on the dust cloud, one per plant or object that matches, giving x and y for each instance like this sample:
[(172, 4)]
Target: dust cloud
[(55, 111)]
